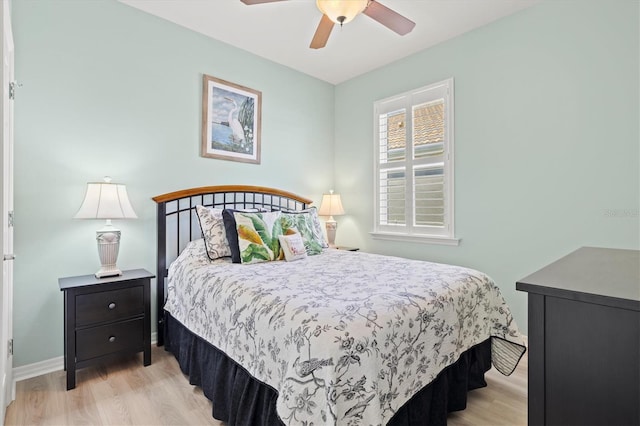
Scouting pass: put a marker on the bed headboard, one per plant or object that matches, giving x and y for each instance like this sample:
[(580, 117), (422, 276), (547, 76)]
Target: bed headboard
[(178, 223)]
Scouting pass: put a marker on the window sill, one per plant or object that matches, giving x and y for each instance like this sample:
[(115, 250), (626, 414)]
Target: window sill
[(427, 239)]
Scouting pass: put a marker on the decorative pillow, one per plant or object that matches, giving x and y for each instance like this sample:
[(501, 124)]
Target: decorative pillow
[(318, 229), (258, 236), (231, 232), (293, 247), (215, 236), (308, 224)]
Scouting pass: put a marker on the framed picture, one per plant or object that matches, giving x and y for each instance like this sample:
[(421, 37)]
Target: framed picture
[(231, 120)]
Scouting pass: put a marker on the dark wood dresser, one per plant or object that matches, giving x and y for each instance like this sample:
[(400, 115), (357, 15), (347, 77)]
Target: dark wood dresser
[(105, 317), (584, 339)]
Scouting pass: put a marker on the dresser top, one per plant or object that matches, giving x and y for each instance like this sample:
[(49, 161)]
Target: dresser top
[(85, 280), (592, 274)]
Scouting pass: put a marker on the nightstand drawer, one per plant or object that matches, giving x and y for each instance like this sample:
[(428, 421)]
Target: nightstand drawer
[(110, 305), (110, 338)]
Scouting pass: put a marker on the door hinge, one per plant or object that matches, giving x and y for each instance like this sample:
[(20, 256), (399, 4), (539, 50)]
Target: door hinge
[(10, 348), (12, 89), (10, 219)]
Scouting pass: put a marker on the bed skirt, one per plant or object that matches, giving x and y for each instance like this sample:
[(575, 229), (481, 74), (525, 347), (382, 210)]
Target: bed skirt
[(240, 399)]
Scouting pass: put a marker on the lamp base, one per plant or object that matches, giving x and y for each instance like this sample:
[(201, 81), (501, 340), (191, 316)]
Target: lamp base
[(331, 232), (108, 239), (104, 272)]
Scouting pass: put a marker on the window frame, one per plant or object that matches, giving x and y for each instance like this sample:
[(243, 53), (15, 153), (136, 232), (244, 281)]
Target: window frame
[(409, 231)]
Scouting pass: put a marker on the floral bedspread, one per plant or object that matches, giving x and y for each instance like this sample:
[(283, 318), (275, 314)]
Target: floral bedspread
[(344, 337)]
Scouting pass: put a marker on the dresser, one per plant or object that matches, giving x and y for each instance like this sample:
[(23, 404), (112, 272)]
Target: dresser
[(105, 318), (584, 339)]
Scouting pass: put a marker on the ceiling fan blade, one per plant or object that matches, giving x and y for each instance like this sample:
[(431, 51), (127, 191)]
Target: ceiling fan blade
[(250, 2), (387, 17), (322, 33)]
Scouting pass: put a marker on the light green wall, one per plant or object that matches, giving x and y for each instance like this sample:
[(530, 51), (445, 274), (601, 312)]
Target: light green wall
[(109, 90), (546, 139)]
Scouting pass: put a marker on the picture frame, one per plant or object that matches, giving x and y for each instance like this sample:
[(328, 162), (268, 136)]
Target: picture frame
[(231, 121)]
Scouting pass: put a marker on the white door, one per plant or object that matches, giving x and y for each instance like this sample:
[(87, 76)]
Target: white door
[(6, 283)]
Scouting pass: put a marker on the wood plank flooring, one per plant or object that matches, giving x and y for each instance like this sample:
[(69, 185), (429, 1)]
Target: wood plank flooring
[(126, 393)]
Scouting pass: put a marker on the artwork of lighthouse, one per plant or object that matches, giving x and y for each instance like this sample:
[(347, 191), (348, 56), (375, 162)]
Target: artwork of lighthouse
[(230, 121)]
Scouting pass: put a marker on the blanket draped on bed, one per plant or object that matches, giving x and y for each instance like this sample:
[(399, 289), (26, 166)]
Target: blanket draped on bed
[(344, 338), (240, 399)]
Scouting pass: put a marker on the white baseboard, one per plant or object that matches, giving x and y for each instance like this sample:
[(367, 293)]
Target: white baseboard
[(38, 368), (48, 366)]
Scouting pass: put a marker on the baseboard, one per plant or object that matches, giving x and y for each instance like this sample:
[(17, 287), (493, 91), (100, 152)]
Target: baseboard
[(48, 366), (38, 368)]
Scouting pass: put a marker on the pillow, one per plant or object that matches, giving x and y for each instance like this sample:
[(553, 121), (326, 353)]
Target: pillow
[(317, 228), (231, 232), (292, 247), (308, 224), (258, 236), (229, 225), (213, 231)]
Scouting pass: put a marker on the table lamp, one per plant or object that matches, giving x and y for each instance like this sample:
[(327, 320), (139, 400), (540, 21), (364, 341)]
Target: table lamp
[(331, 205), (106, 200)]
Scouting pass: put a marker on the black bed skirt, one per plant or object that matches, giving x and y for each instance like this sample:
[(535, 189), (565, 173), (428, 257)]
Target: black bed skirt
[(240, 399)]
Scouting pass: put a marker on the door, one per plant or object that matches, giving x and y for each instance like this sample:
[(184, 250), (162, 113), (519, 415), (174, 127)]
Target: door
[(6, 283)]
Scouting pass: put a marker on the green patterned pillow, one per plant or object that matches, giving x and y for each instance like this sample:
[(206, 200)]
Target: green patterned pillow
[(307, 224), (258, 236)]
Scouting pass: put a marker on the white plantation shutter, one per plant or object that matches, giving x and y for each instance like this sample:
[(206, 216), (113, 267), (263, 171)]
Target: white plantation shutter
[(392, 197), (414, 164), (428, 192)]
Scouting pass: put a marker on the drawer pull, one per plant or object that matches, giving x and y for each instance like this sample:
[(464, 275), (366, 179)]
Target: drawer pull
[(112, 339), (112, 305)]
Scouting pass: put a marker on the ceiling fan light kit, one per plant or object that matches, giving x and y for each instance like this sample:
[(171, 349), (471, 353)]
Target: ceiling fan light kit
[(343, 11)]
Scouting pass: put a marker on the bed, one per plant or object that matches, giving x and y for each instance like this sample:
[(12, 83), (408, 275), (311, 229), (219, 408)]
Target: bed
[(337, 337)]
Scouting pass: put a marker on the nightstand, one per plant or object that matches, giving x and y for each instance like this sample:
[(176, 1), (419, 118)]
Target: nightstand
[(347, 248), (105, 318)]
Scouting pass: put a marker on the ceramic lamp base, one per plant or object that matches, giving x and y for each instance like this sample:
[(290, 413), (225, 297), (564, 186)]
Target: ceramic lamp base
[(331, 232), (108, 239), (103, 273)]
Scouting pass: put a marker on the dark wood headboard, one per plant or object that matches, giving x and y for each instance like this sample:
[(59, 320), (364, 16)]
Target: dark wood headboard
[(178, 223)]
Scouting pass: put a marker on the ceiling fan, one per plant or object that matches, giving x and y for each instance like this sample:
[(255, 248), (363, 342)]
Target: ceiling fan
[(343, 11)]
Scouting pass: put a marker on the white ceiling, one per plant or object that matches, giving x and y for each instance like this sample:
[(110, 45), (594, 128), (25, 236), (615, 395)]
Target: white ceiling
[(282, 31)]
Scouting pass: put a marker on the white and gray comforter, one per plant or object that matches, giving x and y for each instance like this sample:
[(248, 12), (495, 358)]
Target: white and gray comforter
[(344, 337)]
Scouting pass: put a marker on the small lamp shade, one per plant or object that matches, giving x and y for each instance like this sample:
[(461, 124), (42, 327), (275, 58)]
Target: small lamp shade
[(331, 205), (106, 200)]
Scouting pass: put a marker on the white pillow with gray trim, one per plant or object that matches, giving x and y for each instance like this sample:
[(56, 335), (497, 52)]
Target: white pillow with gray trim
[(215, 236)]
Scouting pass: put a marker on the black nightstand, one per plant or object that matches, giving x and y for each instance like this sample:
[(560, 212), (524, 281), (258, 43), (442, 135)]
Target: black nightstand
[(105, 318), (347, 248)]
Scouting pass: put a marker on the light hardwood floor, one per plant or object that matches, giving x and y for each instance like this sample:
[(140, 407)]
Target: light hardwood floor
[(126, 393)]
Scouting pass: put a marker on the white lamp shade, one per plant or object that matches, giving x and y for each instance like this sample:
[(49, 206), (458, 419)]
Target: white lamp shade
[(331, 205), (105, 200), (346, 8)]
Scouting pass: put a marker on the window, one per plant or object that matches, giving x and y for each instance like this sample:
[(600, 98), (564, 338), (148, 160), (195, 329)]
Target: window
[(414, 165)]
